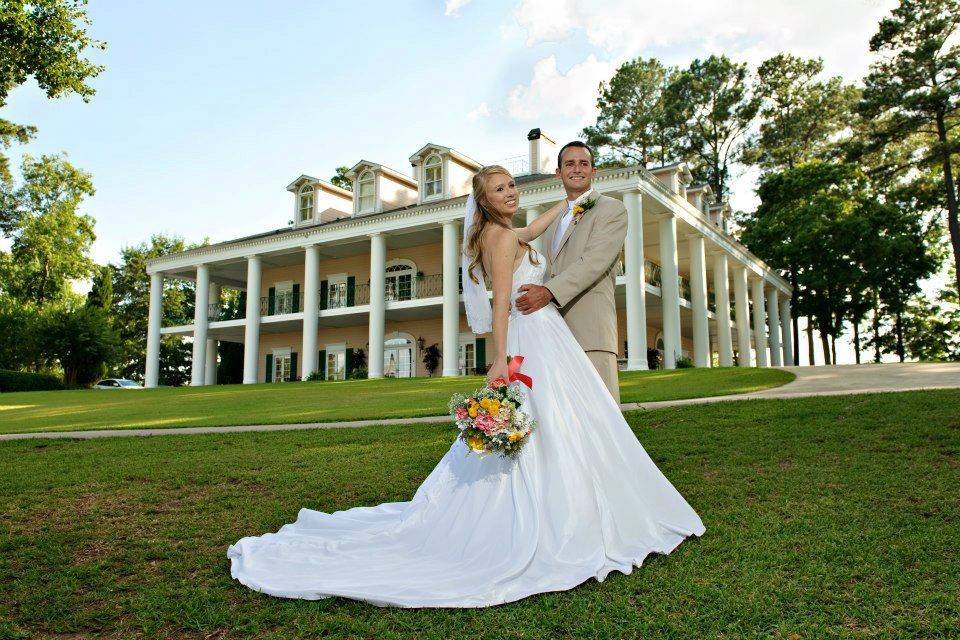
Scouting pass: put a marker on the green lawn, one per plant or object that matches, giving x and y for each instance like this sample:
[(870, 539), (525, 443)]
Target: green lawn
[(833, 517), (320, 401)]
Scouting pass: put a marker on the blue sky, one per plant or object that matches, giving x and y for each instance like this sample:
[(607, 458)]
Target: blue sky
[(206, 110)]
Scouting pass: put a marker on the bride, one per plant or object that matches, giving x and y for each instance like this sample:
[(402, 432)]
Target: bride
[(582, 499)]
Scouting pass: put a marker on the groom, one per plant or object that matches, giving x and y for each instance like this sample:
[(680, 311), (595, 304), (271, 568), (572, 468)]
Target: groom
[(581, 265)]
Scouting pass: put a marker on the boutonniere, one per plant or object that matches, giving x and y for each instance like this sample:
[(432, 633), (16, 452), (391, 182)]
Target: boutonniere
[(582, 207)]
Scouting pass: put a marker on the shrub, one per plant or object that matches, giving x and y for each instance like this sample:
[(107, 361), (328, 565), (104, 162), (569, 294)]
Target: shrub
[(316, 376), (684, 362), (26, 381), (358, 373)]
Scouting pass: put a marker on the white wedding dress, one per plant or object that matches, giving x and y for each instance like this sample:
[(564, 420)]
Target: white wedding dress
[(582, 499)]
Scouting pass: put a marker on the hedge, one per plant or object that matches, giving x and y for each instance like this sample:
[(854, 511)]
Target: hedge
[(26, 381)]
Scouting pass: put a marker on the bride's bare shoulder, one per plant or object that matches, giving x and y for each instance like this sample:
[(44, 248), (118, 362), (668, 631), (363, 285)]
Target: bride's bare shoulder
[(498, 244)]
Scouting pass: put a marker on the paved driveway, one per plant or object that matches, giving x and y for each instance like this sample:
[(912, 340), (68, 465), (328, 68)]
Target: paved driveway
[(844, 379)]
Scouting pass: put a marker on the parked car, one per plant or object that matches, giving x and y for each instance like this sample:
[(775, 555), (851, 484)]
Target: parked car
[(117, 383)]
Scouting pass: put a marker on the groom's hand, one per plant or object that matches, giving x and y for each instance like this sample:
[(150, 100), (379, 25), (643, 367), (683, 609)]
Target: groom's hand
[(536, 297)]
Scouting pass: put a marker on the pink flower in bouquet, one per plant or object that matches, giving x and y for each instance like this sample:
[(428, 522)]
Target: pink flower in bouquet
[(462, 413), (485, 423), (496, 383)]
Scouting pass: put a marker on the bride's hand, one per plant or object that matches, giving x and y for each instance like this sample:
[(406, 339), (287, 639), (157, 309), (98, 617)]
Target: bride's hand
[(498, 370)]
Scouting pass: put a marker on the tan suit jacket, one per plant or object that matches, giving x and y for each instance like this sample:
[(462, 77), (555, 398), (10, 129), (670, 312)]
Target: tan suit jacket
[(582, 274)]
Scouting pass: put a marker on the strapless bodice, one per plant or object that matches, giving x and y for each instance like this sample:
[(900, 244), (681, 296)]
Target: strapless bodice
[(526, 273)]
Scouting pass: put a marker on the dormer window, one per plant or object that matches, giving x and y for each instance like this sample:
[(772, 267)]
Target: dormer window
[(366, 191), (432, 176), (306, 203)]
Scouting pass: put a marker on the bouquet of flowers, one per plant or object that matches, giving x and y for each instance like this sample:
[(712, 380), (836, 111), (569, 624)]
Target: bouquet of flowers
[(490, 420)]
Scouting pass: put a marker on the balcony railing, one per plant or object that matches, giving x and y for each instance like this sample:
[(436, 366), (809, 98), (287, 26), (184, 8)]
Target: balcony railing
[(651, 274)]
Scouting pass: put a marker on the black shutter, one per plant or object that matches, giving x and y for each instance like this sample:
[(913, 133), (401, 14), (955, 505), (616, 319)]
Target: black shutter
[(269, 377), (296, 298), (322, 358), (323, 294), (293, 367), (348, 363), (271, 300), (480, 355), (351, 288)]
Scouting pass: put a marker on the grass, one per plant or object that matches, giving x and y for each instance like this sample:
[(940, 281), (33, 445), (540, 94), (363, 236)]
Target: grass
[(320, 401), (831, 517)]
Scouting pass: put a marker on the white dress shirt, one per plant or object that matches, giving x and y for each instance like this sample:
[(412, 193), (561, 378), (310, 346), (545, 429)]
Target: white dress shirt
[(562, 225)]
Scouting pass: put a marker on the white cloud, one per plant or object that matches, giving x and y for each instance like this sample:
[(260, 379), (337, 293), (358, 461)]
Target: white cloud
[(546, 20), (482, 111), (551, 93), (749, 30), (453, 6)]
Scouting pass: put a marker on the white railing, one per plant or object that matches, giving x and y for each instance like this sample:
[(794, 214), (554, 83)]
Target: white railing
[(517, 165)]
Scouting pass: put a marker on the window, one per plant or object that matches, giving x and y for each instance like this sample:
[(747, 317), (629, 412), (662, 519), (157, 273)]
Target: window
[(467, 360), (306, 203), (398, 351), (366, 191), (284, 300), (400, 281), (336, 364), (432, 176), (337, 294), (281, 365)]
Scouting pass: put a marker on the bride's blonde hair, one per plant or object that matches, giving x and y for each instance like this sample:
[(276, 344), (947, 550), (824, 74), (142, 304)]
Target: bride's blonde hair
[(484, 217)]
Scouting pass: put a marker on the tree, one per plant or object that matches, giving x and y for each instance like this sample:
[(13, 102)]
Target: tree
[(45, 40), (799, 113), (714, 103), (19, 335), (50, 240), (131, 296), (81, 339), (635, 124), (341, 180), (431, 358), (932, 328), (101, 290), (914, 88), (839, 241)]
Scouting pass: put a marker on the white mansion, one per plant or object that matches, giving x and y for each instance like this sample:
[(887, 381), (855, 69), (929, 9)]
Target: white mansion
[(378, 270)]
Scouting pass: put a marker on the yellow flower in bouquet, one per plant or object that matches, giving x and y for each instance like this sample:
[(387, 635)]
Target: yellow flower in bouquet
[(473, 409), (476, 443), (492, 405), (515, 436)]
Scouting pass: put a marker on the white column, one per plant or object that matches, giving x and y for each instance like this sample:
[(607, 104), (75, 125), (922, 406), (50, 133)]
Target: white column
[(210, 368), (773, 325), (744, 357), (698, 301), (251, 328), (759, 321), (154, 319), (197, 376), (636, 284), (721, 298), (787, 335), (311, 309), (377, 316), (451, 298), (532, 214), (669, 290)]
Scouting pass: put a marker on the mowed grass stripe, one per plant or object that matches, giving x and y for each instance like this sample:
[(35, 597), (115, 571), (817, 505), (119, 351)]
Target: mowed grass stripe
[(300, 402), (833, 517)]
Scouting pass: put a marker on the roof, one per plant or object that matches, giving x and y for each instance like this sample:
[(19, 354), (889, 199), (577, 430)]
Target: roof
[(393, 173), (448, 150)]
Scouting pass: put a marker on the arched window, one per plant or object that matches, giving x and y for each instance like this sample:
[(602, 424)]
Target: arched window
[(401, 280), (306, 203), (366, 191), (432, 176), (399, 351)]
